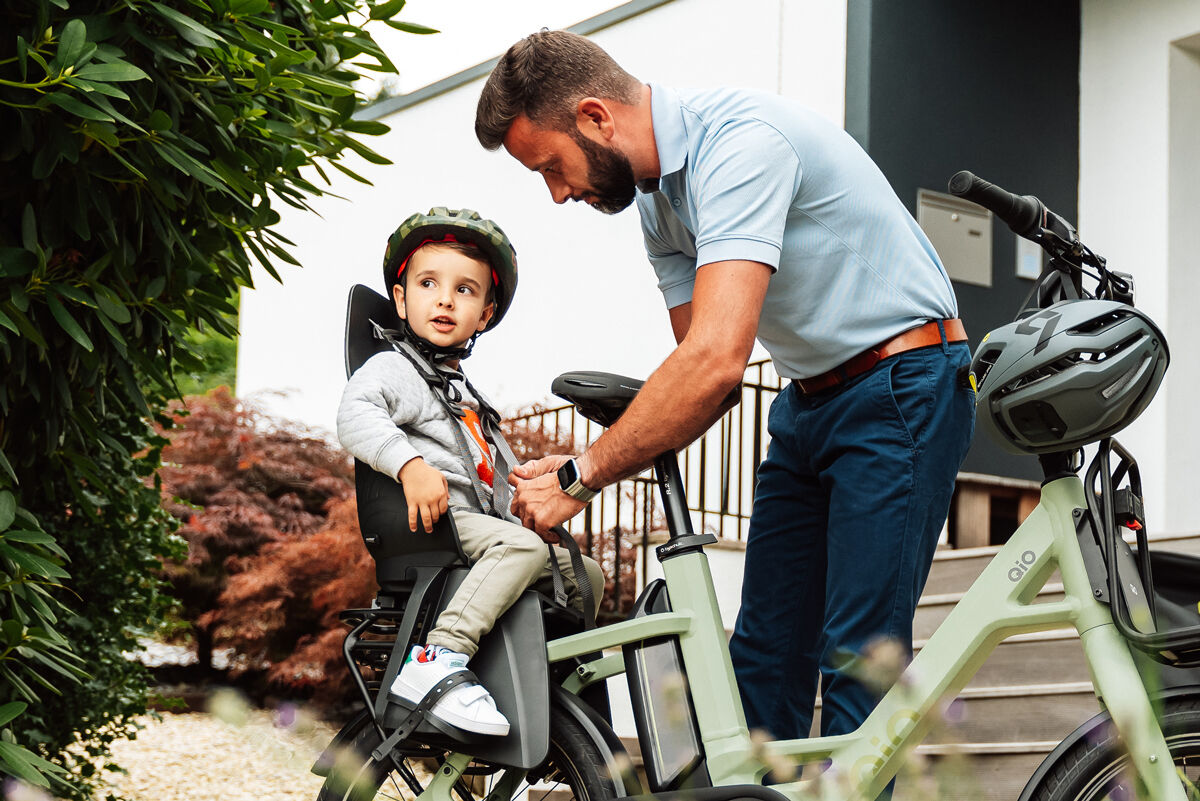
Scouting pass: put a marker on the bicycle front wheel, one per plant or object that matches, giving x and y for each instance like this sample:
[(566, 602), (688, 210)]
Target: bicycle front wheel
[(574, 769), (1099, 770)]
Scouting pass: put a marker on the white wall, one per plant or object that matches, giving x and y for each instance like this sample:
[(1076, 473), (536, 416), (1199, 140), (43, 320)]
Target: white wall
[(587, 297), (1138, 151)]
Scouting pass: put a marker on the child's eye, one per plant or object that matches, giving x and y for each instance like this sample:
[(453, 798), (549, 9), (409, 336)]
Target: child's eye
[(427, 283), (465, 290)]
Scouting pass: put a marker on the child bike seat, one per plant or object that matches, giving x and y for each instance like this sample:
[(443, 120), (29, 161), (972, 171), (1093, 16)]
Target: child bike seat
[(382, 507)]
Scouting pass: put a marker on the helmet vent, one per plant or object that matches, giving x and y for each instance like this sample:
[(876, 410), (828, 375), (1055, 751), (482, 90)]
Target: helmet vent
[(984, 363), (1120, 383), (1038, 421), (1097, 324), (1094, 356), (1034, 376)]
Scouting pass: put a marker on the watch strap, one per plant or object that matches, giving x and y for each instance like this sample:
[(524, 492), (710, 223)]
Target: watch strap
[(575, 488)]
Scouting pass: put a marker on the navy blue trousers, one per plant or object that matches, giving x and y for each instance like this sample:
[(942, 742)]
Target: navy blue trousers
[(847, 511)]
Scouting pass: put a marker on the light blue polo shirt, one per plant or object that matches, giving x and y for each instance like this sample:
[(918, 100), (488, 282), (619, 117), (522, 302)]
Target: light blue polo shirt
[(751, 175)]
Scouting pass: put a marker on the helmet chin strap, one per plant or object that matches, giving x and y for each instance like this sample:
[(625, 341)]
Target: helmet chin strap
[(435, 353)]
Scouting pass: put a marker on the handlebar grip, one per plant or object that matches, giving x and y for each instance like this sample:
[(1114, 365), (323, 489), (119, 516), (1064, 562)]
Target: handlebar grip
[(1023, 213)]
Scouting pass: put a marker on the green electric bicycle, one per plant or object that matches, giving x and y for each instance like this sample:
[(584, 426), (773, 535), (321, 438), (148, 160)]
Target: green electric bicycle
[(548, 672)]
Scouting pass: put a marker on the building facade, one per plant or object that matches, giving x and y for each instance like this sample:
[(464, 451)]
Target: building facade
[(1093, 106)]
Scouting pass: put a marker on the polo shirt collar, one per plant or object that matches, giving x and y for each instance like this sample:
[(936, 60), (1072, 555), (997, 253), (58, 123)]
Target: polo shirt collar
[(670, 137)]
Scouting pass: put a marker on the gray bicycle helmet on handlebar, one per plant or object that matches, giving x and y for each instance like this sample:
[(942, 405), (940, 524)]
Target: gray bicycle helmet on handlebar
[(1069, 375)]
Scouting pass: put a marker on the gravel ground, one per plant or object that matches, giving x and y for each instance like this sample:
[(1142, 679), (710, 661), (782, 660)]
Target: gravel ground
[(233, 754)]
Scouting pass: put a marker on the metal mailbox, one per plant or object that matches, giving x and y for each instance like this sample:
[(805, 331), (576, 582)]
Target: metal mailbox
[(961, 233)]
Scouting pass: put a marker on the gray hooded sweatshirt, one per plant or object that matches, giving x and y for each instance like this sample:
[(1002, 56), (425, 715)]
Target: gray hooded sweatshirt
[(389, 415)]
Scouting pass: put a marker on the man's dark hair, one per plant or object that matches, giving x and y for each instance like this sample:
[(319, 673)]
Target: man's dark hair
[(544, 76)]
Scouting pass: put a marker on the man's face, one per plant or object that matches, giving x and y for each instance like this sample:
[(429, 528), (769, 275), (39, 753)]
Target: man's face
[(573, 166)]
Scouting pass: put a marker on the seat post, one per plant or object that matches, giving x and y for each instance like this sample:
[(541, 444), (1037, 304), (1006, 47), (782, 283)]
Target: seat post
[(670, 487)]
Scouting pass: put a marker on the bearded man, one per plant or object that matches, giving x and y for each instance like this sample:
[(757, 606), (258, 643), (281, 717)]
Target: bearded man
[(763, 220)]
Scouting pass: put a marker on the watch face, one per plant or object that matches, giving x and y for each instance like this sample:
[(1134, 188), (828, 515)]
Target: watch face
[(568, 474)]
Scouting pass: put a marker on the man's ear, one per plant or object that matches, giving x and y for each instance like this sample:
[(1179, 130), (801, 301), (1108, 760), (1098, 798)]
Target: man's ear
[(593, 116), (398, 298), (486, 317)]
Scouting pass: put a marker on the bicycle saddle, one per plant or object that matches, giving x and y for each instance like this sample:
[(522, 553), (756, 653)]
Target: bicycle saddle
[(600, 397)]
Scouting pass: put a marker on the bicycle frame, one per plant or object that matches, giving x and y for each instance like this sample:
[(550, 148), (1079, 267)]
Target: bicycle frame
[(1000, 604)]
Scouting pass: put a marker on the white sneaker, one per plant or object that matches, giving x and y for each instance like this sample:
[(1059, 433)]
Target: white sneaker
[(468, 706)]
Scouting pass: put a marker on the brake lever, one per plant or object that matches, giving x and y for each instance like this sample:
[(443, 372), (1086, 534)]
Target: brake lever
[(1057, 237)]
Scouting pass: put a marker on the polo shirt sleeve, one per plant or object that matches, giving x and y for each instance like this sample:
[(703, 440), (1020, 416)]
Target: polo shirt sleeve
[(669, 249), (746, 175)]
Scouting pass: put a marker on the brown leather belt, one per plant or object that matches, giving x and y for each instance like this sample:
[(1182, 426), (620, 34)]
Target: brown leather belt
[(920, 337)]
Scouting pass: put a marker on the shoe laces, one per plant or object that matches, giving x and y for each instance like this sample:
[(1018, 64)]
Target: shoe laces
[(439, 653)]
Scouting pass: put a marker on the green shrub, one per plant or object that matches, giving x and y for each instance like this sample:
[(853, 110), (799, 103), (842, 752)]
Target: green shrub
[(145, 146)]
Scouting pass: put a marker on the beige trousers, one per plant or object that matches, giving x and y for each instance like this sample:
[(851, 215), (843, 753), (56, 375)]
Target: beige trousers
[(506, 559)]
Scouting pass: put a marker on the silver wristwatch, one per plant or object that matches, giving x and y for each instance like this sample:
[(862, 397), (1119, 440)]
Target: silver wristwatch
[(570, 482)]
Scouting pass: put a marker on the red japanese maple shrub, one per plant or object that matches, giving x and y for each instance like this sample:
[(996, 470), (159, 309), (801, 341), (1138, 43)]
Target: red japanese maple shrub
[(240, 480)]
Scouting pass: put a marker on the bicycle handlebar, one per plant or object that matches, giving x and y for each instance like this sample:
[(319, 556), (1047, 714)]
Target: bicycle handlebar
[(1028, 217), (1023, 213)]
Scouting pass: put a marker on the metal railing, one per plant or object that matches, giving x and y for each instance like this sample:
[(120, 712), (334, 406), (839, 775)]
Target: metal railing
[(718, 468)]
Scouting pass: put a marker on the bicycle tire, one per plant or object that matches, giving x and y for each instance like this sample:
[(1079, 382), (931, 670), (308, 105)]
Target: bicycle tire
[(1098, 768), (573, 763)]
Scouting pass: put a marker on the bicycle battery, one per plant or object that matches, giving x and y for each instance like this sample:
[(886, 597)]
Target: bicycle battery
[(668, 733)]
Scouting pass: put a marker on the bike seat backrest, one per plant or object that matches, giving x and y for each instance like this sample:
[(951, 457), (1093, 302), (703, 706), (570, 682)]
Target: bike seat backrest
[(363, 306), (600, 397), (382, 507)]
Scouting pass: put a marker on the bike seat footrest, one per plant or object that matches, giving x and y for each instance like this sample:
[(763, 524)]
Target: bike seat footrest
[(417, 714)]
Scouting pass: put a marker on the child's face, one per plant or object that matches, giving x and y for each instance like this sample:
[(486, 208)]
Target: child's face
[(444, 296)]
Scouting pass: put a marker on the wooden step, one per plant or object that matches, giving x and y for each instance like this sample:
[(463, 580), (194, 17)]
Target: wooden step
[(955, 570), (1029, 658), (1017, 714), (988, 769), (1026, 658), (1014, 714), (933, 609), (982, 772)]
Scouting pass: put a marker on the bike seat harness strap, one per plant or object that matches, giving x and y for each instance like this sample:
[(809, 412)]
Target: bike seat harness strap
[(501, 494)]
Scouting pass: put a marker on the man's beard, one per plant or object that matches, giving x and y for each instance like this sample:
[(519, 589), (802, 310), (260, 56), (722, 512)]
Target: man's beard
[(609, 173)]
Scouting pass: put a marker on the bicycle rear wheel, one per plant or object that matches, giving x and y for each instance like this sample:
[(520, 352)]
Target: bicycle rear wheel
[(1099, 770), (574, 769)]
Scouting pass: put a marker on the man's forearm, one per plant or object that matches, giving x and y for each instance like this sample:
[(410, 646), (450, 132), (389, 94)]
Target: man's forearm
[(678, 403), (683, 397)]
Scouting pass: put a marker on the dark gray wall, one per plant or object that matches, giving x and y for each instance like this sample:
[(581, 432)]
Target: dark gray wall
[(937, 86)]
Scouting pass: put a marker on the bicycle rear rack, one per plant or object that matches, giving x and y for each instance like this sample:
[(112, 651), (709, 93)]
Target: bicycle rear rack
[(1127, 581)]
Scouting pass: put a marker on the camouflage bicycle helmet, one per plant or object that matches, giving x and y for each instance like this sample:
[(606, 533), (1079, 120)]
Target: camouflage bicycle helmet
[(1068, 375), (455, 225)]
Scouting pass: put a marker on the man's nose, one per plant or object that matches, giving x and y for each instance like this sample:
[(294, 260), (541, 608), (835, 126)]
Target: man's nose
[(559, 190)]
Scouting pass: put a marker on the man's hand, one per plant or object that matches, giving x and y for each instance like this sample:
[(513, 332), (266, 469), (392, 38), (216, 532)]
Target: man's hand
[(538, 467), (426, 491), (541, 504)]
